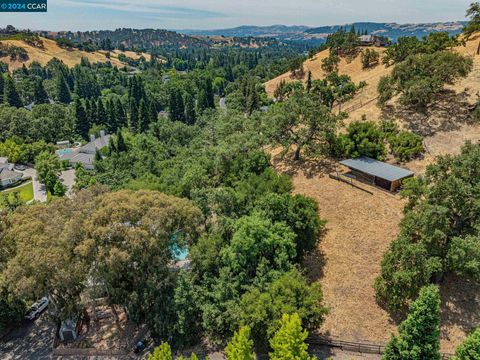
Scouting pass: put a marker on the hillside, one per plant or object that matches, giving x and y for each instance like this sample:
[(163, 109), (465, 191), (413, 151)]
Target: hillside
[(361, 226), (314, 35), (69, 57)]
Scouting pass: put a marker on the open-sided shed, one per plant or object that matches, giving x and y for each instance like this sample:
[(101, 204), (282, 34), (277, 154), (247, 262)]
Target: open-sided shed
[(386, 176)]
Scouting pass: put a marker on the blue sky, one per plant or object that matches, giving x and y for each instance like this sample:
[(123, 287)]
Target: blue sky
[(214, 14)]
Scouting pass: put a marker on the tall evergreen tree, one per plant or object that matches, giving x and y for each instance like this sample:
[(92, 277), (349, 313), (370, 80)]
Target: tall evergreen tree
[(121, 145), (419, 334), (39, 94), (101, 114), (92, 111), (240, 348), (253, 100), (153, 114), (2, 87), (190, 114), (202, 101), (133, 118), (121, 117), (289, 341), (11, 96), (143, 116), (82, 123), (177, 106), (309, 81), (62, 91)]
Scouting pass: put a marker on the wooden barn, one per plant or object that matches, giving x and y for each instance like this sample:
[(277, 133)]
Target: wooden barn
[(381, 174)]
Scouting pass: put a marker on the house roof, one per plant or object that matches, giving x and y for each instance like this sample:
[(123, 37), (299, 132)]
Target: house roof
[(3, 160), (85, 159), (6, 174), (377, 168), (97, 144), (366, 38)]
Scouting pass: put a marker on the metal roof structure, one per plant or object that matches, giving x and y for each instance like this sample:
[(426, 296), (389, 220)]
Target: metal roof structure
[(377, 168)]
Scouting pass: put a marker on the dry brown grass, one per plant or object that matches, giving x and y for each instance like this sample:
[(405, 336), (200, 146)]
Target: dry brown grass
[(69, 57), (360, 228)]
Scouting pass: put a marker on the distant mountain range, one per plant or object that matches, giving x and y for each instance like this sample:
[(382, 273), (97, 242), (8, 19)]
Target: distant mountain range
[(319, 34)]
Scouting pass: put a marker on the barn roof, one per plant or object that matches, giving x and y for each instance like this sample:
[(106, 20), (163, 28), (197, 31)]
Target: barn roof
[(377, 168)]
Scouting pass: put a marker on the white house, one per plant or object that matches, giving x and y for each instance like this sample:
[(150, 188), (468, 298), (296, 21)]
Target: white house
[(7, 175)]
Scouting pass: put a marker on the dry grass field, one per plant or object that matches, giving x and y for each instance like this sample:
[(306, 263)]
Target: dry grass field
[(69, 57), (361, 225)]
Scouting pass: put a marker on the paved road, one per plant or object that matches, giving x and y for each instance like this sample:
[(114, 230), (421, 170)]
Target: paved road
[(32, 340), (39, 192)]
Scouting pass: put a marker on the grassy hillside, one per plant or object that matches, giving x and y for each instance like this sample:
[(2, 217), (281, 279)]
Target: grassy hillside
[(69, 57)]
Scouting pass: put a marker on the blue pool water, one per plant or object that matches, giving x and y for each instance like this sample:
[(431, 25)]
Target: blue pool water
[(64, 151), (179, 253)]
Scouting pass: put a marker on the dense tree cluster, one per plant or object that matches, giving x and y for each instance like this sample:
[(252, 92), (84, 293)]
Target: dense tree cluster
[(439, 233), (420, 78)]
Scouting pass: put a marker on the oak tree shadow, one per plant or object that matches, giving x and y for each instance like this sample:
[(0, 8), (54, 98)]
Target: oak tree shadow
[(448, 112)]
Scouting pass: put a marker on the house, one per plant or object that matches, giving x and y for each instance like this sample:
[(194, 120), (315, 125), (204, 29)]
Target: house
[(7, 175), (381, 174), (85, 154), (373, 40)]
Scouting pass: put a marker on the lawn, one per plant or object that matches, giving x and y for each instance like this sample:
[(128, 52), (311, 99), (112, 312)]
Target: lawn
[(25, 190)]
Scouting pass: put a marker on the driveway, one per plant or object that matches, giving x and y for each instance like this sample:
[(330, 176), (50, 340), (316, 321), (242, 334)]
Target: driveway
[(39, 192), (68, 179), (31, 340)]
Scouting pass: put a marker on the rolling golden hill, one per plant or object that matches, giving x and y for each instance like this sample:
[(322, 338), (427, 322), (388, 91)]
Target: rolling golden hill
[(69, 57)]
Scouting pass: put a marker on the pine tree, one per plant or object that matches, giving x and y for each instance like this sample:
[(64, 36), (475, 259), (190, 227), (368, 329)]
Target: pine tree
[(91, 108), (177, 107), (153, 114), (309, 81), (101, 113), (190, 114), (111, 119), (133, 119), (121, 117), (121, 145), (11, 96), (202, 101), (289, 341), (82, 123), (210, 94), (470, 348), (253, 100), (62, 90), (419, 334), (40, 95), (112, 147), (240, 347), (162, 352), (2, 87), (143, 116)]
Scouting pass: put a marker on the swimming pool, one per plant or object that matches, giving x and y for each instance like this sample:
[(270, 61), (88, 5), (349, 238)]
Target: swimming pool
[(62, 152), (179, 253)]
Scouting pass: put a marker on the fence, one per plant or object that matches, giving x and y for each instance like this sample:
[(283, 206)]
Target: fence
[(362, 348), (358, 105)]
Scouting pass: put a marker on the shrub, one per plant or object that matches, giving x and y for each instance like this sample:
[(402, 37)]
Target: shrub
[(406, 145), (362, 139)]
